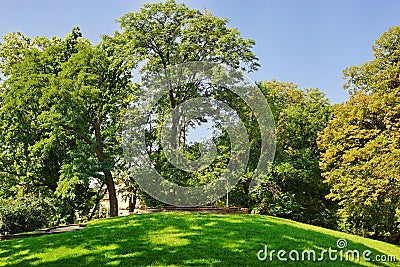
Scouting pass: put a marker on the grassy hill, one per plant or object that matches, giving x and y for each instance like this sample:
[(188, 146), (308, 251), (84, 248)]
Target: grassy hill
[(190, 239)]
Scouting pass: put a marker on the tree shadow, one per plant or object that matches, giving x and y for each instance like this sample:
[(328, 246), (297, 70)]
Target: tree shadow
[(175, 239)]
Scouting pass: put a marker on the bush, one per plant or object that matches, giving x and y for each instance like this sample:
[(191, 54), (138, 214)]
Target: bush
[(283, 205), (24, 214)]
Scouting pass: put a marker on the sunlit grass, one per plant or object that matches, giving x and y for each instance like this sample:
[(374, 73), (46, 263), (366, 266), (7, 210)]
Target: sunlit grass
[(185, 239)]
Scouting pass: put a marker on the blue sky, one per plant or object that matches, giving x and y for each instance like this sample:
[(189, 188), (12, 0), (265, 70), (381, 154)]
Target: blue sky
[(305, 42)]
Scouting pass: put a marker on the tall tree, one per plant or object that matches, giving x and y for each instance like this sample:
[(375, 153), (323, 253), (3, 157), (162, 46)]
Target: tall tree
[(361, 144), (70, 97), (92, 92), (162, 35)]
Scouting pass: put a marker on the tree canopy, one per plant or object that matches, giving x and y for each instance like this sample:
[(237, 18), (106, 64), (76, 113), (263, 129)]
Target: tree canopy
[(361, 144), (62, 104), (163, 35), (294, 188)]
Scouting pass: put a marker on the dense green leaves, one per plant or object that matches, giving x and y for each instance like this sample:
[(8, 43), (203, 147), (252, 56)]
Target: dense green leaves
[(62, 106), (162, 35), (361, 162), (25, 214), (165, 34), (362, 144), (32, 149), (381, 73), (294, 188)]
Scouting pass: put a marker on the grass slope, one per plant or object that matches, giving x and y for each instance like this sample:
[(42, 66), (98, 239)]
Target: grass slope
[(185, 239)]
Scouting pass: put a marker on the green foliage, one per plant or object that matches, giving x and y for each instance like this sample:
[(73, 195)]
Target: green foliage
[(361, 148), (31, 151), (294, 189), (361, 155), (162, 35), (60, 117), (381, 73), (270, 200), (170, 33), (25, 214)]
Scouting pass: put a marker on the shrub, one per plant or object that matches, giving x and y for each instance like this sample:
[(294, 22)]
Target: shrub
[(24, 214)]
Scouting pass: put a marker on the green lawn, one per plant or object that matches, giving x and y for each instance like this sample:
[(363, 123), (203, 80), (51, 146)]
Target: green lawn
[(187, 239)]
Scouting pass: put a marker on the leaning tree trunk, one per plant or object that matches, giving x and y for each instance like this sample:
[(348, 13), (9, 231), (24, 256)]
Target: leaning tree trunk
[(98, 149), (112, 195)]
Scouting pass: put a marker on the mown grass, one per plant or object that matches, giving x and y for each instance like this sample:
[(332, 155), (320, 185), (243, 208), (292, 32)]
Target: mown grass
[(186, 239)]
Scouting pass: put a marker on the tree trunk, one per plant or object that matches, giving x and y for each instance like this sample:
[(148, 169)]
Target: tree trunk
[(131, 206), (98, 149), (174, 123), (132, 201), (112, 195), (97, 202)]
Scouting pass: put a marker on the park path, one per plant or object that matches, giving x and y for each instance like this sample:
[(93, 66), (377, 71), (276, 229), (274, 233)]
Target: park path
[(47, 231)]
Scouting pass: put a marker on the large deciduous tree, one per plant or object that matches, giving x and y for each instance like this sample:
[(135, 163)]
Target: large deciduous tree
[(361, 159), (92, 92), (62, 106), (162, 35)]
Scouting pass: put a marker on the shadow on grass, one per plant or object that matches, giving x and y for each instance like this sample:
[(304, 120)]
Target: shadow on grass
[(183, 239)]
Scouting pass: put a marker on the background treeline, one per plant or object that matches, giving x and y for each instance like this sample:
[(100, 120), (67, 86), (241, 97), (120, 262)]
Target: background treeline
[(63, 102)]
